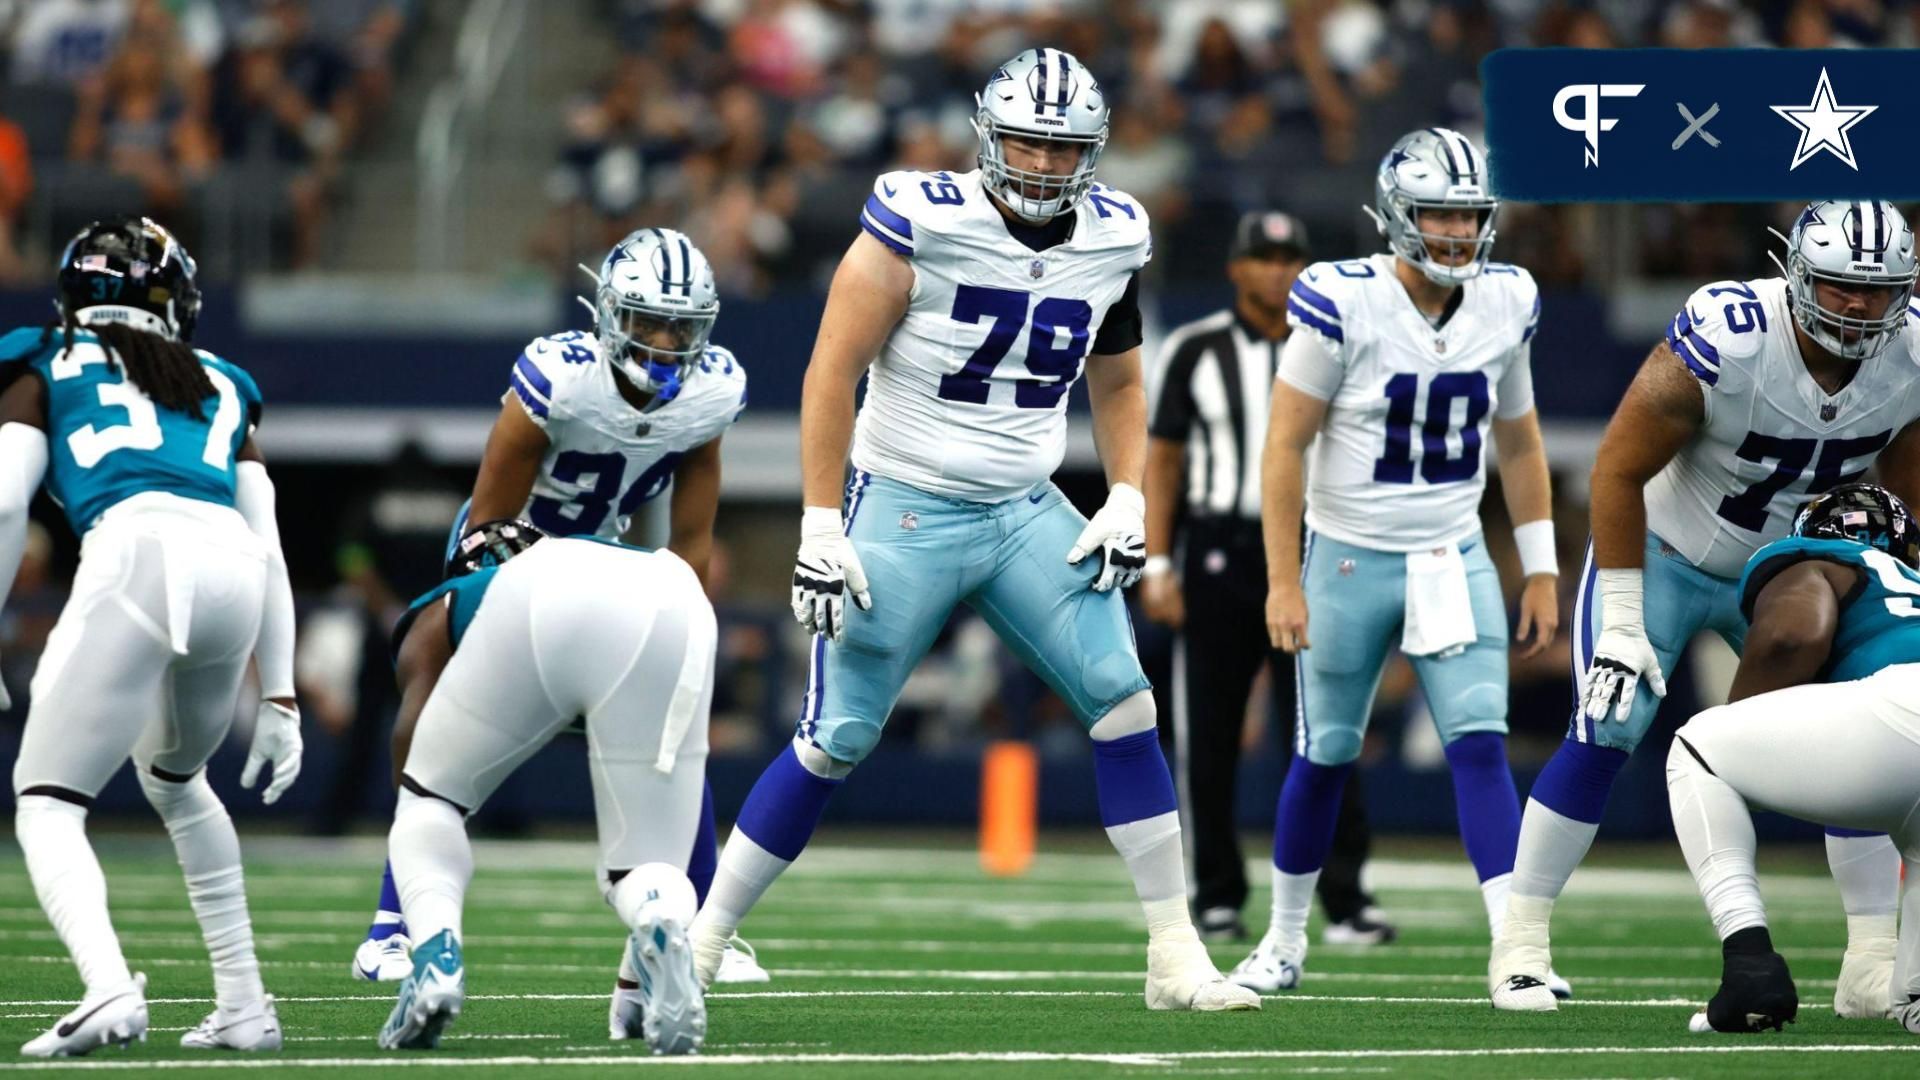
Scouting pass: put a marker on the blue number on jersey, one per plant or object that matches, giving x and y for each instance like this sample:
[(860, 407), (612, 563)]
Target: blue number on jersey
[(947, 194), (1395, 466), (1749, 315), (1101, 201), (1056, 364), (1355, 268), (1748, 509), (596, 499)]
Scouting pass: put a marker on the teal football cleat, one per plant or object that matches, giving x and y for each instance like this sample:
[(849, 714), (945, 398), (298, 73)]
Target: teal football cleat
[(673, 1008), (429, 998)]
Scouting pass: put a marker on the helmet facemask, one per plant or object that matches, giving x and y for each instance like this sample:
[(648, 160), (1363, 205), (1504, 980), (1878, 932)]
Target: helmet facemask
[(1401, 227), (1845, 336), (1036, 197), (651, 346)]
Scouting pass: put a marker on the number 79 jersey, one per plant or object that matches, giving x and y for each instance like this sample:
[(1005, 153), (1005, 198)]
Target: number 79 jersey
[(107, 440), (967, 398), (1772, 436), (1398, 465)]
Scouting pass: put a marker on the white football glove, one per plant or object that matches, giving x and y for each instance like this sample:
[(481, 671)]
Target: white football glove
[(276, 739), (825, 571), (1119, 533), (1622, 655)]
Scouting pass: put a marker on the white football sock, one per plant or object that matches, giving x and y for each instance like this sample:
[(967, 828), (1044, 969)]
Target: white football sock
[(209, 853), (1292, 903), (1716, 836), (72, 890), (1551, 847), (1906, 961), (1494, 892), (1151, 849), (1867, 869), (432, 864), (745, 873)]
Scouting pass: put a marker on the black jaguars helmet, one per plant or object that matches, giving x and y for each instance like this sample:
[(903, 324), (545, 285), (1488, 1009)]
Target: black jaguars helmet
[(135, 265), (1865, 514), (491, 544)]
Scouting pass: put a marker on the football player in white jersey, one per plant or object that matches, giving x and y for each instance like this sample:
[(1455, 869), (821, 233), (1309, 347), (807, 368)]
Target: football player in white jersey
[(1403, 364), (1762, 393), (972, 303), (592, 426)]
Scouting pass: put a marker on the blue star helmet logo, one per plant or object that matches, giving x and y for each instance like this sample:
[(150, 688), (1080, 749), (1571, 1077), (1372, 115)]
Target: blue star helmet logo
[(615, 257), (1809, 216), (1395, 159)]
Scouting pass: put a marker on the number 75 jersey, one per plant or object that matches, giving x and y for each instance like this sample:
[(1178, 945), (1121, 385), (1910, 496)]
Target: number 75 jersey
[(968, 396), (1772, 436)]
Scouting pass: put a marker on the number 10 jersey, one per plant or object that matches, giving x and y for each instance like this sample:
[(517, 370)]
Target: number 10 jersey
[(967, 398), (1398, 465), (1772, 436)]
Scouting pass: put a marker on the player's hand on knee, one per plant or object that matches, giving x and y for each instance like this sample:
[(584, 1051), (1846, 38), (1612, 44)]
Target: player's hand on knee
[(1287, 617), (276, 741), (1539, 613), (1119, 534), (824, 573), (1621, 658)]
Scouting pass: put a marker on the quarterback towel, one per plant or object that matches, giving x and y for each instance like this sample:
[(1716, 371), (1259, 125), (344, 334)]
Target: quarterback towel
[(1705, 125), (1439, 618)]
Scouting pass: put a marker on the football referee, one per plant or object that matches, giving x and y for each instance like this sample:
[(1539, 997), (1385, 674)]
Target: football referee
[(1204, 555)]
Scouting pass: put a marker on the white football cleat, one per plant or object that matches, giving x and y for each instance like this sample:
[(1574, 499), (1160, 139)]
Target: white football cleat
[(1269, 968), (1524, 993), (1181, 976), (1561, 988), (1864, 989), (1909, 1015), (673, 1008), (1698, 1025), (117, 1015), (1520, 974), (387, 959), (256, 1027), (739, 964), (624, 1013)]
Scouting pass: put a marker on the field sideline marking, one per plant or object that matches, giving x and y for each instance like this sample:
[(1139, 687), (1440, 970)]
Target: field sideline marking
[(1144, 1057)]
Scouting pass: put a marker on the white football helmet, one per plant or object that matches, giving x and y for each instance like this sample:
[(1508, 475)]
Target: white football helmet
[(654, 308), (1040, 94), (1438, 169), (1859, 243)]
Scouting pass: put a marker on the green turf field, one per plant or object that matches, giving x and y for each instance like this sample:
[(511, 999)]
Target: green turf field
[(901, 962)]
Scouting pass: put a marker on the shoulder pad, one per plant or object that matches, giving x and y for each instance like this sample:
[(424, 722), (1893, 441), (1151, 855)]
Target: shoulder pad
[(548, 363), (1120, 214), (1722, 321), (904, 199), (1519, 292), (724, 379), (242, 379), (1324, 295), (23, 342)]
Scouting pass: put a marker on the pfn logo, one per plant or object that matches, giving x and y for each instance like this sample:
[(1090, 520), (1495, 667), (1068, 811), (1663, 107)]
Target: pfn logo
[(1589, 122)]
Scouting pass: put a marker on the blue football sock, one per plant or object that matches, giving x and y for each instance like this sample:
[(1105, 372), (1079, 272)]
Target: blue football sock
[(784, 806), (1308, 810), (387, 920), (1488, 805), (1131, 776), (706, 848), (1577, 779)]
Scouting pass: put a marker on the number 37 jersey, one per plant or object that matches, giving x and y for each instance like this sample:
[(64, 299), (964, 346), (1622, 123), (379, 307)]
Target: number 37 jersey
[(967, 398), (1772, 436)]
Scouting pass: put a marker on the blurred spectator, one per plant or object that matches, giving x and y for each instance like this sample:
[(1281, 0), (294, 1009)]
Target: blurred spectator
[(367, 33), (1146, 160), (143, 115)]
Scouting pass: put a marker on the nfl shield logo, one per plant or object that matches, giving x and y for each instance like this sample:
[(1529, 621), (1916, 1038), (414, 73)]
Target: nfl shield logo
[(1440, 345), (1828, 411), (909, 521), (1036, 268), (1345, 567)]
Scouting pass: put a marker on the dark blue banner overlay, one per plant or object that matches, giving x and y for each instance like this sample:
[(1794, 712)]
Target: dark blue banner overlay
[(1710, 125)]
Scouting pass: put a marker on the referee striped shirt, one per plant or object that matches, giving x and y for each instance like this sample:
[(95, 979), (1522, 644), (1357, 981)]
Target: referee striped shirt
[(1210, 392)]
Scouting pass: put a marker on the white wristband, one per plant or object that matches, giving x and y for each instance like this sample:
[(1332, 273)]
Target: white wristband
[(1619, 598), (1157, 565), (820, 521), (1538, 555)]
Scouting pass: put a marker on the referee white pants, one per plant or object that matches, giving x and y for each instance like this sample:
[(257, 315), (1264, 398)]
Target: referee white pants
[(579, 629), (149, 653), (1845, 754)]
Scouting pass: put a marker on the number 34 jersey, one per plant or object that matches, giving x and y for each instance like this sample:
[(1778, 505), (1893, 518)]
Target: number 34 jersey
[(967, 398), (1397, 465), (1772, 436), (604, 457)]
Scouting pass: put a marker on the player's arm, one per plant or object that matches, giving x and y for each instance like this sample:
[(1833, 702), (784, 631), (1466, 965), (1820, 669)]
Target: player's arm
[(1663, 408), (1899, 464), (1117, 392), (1527, 487), (1794, 620), (869, 295), (23, 465), (1294, 417), (696, 502), (1166, 462), (422, 657), (508, 467), (276, 728)]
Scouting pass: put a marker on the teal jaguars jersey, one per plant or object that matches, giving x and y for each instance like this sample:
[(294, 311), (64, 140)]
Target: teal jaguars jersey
[(1879, 619), (107, 440)]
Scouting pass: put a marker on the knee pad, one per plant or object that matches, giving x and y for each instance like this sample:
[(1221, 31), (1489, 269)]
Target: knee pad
[(1338, 746), (180, 803), (1479, 702), (1132, 716), (822, 764)]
